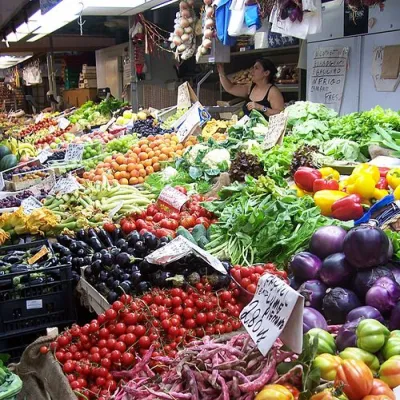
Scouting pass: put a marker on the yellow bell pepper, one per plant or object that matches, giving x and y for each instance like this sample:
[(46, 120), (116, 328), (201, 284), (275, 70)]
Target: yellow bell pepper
[(274, 392), (299, 192), (393, 178), (343, 184), (368, 169), (396, 193), (324, 199), (380, 193), (329, 173), (364, 185)]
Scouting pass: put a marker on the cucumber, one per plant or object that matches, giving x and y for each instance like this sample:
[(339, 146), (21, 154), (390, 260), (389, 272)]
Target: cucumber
[(181, 231), (202, 242), (198, 231)]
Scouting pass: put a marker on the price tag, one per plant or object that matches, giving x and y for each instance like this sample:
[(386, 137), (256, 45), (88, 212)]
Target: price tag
[(44, 155), (276, 130), (195, 117), (275, 311), (65, 185), (74, 152), (30, 204), (116, 209), (171, 200), (63, 123), (34, 304), (39, 118), (179, 248), (41, 253), (243, 121), (1, 181), (46, 184), (109, 123)]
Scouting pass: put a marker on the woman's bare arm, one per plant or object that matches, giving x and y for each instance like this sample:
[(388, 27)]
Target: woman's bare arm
[(276, 100), (235, 90)]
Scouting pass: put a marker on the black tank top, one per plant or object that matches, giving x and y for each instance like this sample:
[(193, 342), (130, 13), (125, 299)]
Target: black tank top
[(264, 102)]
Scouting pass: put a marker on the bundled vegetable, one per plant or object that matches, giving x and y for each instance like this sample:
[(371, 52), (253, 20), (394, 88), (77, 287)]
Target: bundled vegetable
[(209, 31), (206, 369)]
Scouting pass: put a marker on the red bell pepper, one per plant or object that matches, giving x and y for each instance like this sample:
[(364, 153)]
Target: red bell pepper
[(325, 184), (348, 208), (382, 183), (383, 171), (304, 178)]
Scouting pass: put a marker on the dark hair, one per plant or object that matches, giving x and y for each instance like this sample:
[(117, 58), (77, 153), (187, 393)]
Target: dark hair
[(268, 65)]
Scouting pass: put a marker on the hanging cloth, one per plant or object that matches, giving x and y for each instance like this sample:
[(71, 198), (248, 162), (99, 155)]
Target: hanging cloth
[(222, 18)]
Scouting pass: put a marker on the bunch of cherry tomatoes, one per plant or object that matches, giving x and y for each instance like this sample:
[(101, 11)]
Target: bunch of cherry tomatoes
[(166, 319), (162, 223)]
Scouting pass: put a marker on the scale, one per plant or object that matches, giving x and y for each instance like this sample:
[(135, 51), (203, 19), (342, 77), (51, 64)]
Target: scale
[(104, 93)]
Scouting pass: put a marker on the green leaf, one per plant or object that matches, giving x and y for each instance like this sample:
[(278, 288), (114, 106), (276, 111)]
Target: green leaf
[(212, 171), (195, 172)]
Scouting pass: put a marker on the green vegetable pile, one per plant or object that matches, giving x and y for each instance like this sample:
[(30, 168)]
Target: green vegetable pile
[(10, 384), (257, 221)]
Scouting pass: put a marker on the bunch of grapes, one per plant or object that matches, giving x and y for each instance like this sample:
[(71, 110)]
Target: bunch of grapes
[(57, 156), (92, 150), (15, 201), (122, 145)]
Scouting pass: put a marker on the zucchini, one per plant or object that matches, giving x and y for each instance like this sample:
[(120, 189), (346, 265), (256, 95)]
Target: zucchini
[(202, 242), (198, 231), (181, 231)]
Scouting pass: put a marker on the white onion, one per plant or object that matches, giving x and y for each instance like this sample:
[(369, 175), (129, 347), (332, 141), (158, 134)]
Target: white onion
[(185, 13), (209, 12), (209, 23), (190, 3), (208, 2), (189, 29), (183, 5), (181, 47), (172, 45), (177, 40), (190, 20), (177, 15), (178, 31), (203, 50), (184, 23), (185, 37), (207, 43), (208, 33)]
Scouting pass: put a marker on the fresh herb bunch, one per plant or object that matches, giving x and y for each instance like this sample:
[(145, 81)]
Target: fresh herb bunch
[(303, 157), (245, 164)]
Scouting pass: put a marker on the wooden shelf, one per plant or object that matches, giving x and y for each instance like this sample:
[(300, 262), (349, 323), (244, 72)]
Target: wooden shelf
[(270, 51)]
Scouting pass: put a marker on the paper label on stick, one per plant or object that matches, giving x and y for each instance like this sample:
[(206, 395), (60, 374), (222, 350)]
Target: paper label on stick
[(65, 185), (195, 117), (179, 248), (74, 152), (30, 204), (34, 304), (275, 311), (171, 200), (39, 118), (63, 123), (276, 130), (42, 252), (44, 155)]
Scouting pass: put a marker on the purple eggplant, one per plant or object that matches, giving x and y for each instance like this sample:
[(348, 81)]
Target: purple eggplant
[(305, 266), (337, 303), (313, 292), (327, 240), (336, 271), (394, 321), (313, 319), (346, 336), (383, 295), (364, 312)]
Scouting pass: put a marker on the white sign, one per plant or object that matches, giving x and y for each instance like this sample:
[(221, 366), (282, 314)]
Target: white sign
[(1, 181), (396, 391), (65, 185), (276, 130), (180, 247), (195, 117), (46, 184), (39, 118), (30, 204), (44, 155), (63, 123), (171, 198), (74, 152), (328, 76), (382, 85), (275, 311), (34, 304)]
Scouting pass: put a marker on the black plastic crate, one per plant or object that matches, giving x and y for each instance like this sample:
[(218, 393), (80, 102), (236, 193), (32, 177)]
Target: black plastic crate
[(35, 303)]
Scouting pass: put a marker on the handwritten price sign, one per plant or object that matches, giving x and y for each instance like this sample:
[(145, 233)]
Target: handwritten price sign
[(65, 185), (276, 130), (63, 123), (44, 155), (74, 152), (171, 200), (30, 204), (275, 311)]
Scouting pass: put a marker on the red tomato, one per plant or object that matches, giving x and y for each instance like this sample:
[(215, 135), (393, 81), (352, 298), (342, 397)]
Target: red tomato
[(165, 232), (188, 222), (203, 220), (175, 215), (109, 227), (158, 217), (182, 189), (152, 210), (141, 224), (168, 223)]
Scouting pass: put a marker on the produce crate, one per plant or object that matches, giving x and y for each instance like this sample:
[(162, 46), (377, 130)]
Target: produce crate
[(34, 304), (95, 299)]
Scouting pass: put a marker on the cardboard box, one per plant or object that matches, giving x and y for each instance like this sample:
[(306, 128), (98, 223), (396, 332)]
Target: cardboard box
[(77, 97)]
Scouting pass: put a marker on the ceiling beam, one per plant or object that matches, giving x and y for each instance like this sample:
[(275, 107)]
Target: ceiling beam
[(60, 43)]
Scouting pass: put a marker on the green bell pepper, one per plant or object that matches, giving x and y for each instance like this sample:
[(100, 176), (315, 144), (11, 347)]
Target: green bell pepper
[(371, 335), (354, 353), (326, 342), (392, 347)]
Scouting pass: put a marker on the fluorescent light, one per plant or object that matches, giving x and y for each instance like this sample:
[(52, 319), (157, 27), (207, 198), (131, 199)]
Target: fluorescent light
[(8, 61), (28, 27), (45, 29), (36, 37), (164, 4), (36, 17), (113, 4)]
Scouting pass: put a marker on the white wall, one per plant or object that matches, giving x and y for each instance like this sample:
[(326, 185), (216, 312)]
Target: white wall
[(359, 92)]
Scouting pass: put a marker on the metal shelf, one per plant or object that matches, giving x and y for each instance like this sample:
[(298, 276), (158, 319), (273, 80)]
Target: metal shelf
[(270, 51), (284, 88)]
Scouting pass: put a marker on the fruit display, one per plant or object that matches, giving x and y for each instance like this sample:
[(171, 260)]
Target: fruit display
[(196, 256), (141, 160)]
